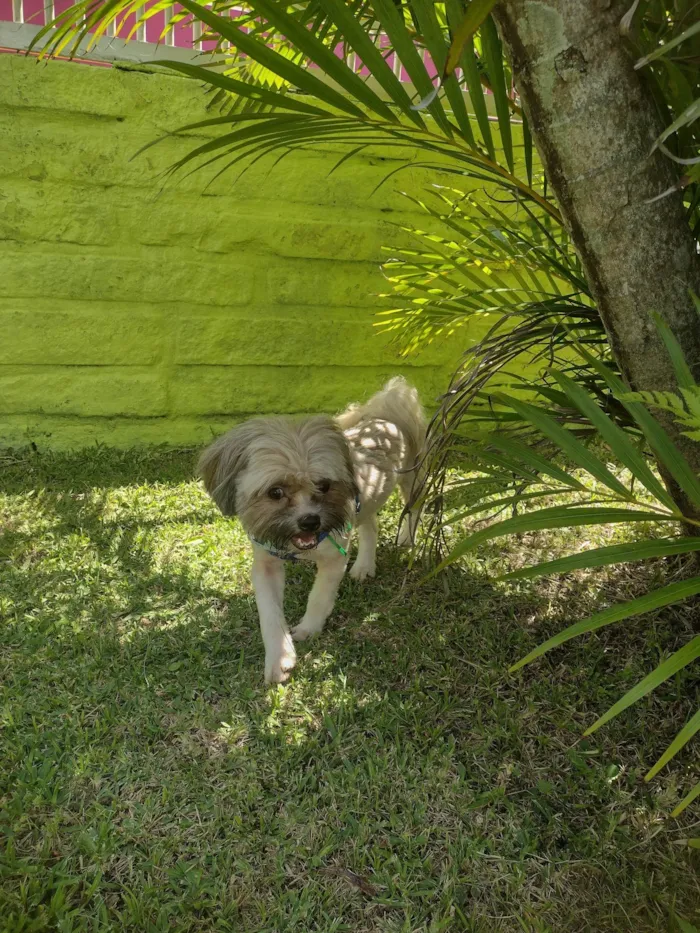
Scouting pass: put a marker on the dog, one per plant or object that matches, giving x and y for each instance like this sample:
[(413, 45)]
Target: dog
[(300, 489)]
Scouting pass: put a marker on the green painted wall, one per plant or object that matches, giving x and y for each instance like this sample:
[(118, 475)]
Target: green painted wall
[(133, 312)]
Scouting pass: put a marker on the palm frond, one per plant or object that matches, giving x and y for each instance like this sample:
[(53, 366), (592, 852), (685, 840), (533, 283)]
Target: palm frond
[(290, 49), (514, 472), (667, 43), (489, 256)]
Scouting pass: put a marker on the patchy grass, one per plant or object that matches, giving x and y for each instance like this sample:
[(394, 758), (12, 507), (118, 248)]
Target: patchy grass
[(401, 782)]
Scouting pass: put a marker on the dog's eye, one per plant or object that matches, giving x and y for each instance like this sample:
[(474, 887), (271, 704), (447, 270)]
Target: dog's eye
[(323, 485), (276, 492)]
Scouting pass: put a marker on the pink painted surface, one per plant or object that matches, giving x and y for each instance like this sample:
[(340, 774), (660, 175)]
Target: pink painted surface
[(430, 66), (125, 26), (154, 27), (61, 5), (208, 45), (34, 12), (182, 32), (5, 11)]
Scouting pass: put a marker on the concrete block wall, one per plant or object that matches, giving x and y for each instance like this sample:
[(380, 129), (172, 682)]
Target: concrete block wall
[(134, 311)]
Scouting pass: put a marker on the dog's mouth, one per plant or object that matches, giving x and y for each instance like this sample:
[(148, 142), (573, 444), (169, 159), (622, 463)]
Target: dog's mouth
[(305, 540)]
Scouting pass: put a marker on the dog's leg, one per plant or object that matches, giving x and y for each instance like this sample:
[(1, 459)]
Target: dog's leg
[(409, 523), (268, 582), (321, 598), (366, 561)]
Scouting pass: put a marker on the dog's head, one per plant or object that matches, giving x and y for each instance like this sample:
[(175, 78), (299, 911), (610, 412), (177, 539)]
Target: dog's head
[(287, 481)]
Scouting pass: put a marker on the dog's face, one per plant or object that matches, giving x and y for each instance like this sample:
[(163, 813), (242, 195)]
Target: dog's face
[(288, 482)]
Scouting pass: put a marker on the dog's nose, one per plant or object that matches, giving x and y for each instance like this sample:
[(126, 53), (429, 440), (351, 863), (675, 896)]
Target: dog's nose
[(310, 522)]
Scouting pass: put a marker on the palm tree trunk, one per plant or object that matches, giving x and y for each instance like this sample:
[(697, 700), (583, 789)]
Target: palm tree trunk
[(594, 123)]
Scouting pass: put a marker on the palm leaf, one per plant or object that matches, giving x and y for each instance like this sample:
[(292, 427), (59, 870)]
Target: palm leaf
[(561, 516), (318, 52), (477, 11), (682, 739), (493, 56), (687, 800), (678, 660), (486, 505), (310, 30), (668, 46), (242, 89), (566, 441), (392, 25), (618, 441), (667, 452), (443, 282), (604, 556), (681, 368), (356, 35), (435, 43), (657, 599), (540, 464), (260, 52), (470, 68)]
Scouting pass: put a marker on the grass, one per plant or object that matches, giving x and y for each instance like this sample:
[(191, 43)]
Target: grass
[(401, 782)]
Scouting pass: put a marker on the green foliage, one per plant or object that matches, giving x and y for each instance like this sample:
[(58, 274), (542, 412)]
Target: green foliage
[(667, 39), (589, 492), (489, 262), (489, 257), (685, 407), (87, 21), (506, 251), (262, 62), (346, 109), (509, 269)]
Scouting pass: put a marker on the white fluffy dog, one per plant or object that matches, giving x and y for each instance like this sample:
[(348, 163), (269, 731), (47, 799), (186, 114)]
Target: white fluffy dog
[(299, 489)]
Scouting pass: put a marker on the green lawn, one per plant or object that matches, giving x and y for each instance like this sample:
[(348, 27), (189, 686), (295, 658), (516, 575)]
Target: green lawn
[(403, 781)]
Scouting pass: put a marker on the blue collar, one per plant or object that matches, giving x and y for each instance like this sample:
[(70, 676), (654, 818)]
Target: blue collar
[(295, 555)]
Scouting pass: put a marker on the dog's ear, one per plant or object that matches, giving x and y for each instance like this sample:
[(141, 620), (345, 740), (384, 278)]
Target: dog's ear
[(221, 463)]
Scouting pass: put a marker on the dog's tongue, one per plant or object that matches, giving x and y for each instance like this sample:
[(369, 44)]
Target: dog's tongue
[(305, 539)]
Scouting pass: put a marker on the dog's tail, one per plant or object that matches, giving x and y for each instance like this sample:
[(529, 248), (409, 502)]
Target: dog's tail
[(398, 403)]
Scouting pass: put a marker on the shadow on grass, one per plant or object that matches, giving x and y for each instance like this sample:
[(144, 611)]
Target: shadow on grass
[(401, 782)]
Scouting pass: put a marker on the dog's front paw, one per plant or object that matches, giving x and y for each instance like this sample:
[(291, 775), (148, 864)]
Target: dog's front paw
[(306, 629), (362, 571), (279, 665)]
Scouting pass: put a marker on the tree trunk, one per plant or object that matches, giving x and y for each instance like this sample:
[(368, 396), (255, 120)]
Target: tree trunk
[(594, 124)]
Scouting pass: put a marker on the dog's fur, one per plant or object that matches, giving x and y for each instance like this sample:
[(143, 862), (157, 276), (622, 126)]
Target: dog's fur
[(289, 481)]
